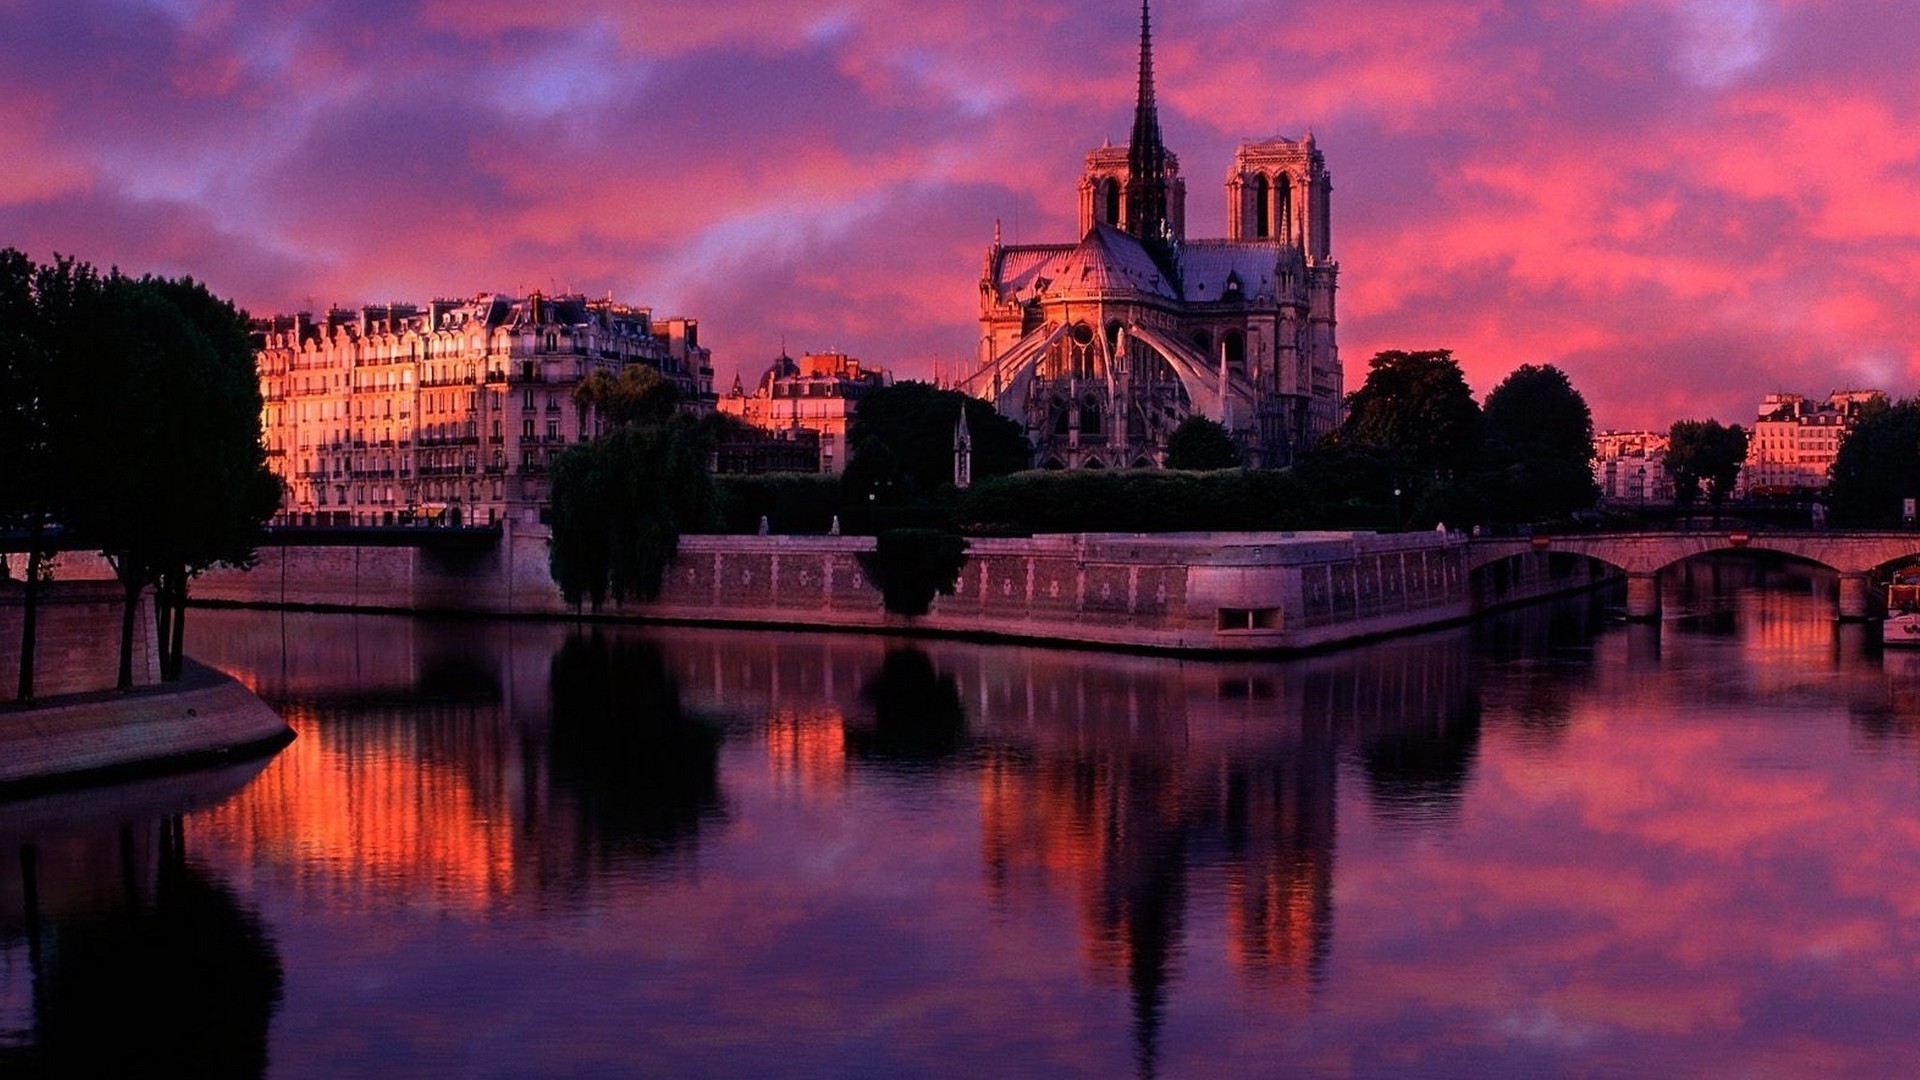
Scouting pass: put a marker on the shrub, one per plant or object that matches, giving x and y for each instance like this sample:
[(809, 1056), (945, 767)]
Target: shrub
[(911, 565)]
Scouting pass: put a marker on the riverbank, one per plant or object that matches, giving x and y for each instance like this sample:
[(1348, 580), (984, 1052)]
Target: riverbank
[(206, 718), (1189, 592)]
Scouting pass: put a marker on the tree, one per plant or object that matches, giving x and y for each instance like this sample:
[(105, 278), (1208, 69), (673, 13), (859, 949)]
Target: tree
[(910, 566), (1538, 446), (1878, 466), (620, 504), (638, 394), (30, 400), (183, 484), (1416, 410), (1201, 445), (910, 425), (1702, 453), (1410, 429)]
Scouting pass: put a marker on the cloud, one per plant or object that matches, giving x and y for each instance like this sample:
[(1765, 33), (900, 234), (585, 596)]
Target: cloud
[(1685, 203)]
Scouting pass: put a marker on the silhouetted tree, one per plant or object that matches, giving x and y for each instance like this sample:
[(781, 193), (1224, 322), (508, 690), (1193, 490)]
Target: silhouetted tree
[(1538, 446), (182, 483), (638, 394), (620, 504), (29, 461), (1410, 429), (1703, 454), (910, 566), (1415, 408), (1878, 466), (1201, 445), (914, 423)]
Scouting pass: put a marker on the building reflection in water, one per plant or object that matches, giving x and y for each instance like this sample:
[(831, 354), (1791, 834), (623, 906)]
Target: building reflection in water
[(118, 950), (480, 765)]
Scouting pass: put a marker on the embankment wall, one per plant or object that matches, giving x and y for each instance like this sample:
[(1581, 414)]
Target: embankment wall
[(1226, 592)]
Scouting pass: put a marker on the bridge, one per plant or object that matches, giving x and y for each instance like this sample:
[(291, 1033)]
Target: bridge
[(1855, 556)]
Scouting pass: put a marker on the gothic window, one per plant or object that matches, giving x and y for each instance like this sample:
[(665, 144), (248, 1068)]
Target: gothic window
[(1090, 416), (1081, 355), (1233, 344), (1203, 341), (1111, 190), (1283, 197), (1061, 417), (1262, 209)]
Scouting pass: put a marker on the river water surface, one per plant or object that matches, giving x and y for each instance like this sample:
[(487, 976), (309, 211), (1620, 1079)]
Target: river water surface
[(1551, 844)]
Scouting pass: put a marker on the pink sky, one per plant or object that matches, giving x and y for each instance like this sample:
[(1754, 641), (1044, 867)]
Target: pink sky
[(1683, 203)]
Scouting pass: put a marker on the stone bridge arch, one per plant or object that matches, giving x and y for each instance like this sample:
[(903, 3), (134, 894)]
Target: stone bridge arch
[(1855, 556)]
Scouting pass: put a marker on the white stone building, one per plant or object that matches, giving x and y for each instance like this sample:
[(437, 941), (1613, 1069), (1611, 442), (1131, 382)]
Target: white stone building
[(1794, 440), (1630, 467), (818, 392), (449, 413)]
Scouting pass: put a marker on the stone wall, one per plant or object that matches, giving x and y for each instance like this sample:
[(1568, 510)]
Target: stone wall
[(1239, 591), (76, 639)]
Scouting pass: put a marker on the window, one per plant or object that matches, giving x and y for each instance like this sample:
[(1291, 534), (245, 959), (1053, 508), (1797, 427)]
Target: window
[(526, 429)]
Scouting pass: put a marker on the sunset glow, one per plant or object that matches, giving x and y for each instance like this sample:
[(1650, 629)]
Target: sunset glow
[(1684, 203)]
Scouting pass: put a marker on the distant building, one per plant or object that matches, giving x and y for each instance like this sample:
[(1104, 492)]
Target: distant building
[(1795, 439), (449, 413), (1630, 467), (817, 393)]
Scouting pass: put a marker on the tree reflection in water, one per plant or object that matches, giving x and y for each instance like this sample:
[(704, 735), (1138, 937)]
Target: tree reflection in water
[(643, 773), (916, 713), (169, 968)]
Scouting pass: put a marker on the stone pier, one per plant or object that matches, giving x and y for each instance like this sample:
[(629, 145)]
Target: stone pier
[(1643, 597)]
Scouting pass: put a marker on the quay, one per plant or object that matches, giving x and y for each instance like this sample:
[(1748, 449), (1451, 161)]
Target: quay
[(81, 731), (1193, 592)]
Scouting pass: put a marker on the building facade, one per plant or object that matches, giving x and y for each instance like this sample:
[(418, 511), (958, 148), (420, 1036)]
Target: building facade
[(1795, 439), (449, 413), (1103, 347), (1631, 468), (817, 393)]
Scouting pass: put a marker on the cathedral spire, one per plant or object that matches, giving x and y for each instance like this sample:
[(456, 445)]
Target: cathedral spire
[(1147, 216)]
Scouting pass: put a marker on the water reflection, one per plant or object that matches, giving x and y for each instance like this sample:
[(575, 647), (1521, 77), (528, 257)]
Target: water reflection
[(1552, 844), (640, 773), (913, 714), (118, 950)]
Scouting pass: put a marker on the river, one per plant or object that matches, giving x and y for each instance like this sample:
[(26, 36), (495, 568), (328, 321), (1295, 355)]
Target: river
[(1549, 844)]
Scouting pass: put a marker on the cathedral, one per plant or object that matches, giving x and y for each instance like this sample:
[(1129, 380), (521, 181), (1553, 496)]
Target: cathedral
[(1103, 347)]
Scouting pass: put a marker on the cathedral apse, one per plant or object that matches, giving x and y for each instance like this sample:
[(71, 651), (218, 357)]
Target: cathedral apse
[(1103, 347)]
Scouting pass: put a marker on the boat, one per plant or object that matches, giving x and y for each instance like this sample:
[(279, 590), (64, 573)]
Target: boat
[(1902, 625)]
